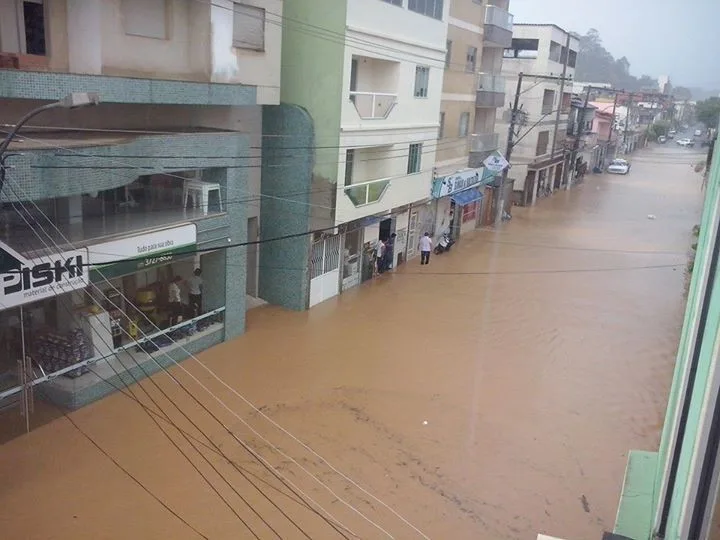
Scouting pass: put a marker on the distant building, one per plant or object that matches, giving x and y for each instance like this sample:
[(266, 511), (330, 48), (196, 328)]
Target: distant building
[(664, 86)]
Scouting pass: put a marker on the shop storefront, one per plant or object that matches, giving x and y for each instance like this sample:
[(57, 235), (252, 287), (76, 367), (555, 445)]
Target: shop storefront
[(458, 202), (141, 293)]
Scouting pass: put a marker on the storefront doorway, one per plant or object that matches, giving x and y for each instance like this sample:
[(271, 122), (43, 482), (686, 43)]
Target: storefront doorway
[(352, 259)]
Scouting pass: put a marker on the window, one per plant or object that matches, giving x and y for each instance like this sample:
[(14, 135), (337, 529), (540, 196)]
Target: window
[(349, 166), (471, 60), (394, 2), (523, 48), (414, 155), (464, 123), (441, 131), (431, 8), (548, 101), (448, 54), (572, 60), (555, 51), (248, 27), (145, 18), (469, 212), (542, 143), (422, 80), (34, 16)]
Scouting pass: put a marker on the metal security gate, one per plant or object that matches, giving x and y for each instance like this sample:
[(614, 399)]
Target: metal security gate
[(412, 237), (324, 269)]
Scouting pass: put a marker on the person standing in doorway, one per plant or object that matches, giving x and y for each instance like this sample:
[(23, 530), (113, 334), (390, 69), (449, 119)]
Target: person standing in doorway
[(195, 286), (175, 301), (425, 248), (380, 256)]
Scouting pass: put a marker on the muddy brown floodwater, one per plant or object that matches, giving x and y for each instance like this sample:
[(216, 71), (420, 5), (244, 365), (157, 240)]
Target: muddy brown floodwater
[(492, 394)]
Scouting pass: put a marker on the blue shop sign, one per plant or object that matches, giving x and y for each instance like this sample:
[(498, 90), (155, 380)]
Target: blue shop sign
[(447, 185)]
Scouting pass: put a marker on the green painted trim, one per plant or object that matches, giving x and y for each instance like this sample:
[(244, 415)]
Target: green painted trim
[(52, 86), (635, 513)]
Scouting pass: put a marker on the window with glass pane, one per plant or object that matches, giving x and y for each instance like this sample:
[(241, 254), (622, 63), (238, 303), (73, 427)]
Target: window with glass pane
[(394, 2), (441, 131), (471, 60), (414, 156), (464, 123), (349, 165), (431, 8), (422, 80), (448, 54)]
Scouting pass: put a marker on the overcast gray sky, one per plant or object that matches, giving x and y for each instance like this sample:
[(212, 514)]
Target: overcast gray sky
[(680, 38)]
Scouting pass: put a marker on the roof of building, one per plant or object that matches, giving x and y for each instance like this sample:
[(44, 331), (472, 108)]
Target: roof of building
[(546, 25)]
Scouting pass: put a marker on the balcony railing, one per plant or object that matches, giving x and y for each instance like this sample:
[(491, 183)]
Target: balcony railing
[(367, 192), (487, 82), (484, 142), (496, 16), (373, 105)]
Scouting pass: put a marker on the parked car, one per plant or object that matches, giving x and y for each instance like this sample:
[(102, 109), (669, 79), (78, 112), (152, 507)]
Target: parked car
[(662, 139), (671, 134), (698, 132), (688, 143), (619, 166)]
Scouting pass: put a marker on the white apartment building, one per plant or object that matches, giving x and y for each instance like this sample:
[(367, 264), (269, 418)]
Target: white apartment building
[(539, 157), (167, 166), (372, 88)]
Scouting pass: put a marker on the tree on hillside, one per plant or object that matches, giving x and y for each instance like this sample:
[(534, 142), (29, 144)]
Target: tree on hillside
[(708, 112), (596, 64)]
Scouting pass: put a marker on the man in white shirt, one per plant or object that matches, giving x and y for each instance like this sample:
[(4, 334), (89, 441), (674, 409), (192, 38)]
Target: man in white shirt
[(425, 248), (379, 256), (195, 285), (175, 301)]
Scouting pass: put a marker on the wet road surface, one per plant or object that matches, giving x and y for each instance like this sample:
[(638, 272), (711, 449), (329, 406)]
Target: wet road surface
[(492, 394)]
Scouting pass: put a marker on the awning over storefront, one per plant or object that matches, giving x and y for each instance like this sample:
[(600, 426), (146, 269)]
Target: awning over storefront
[(466, 197)]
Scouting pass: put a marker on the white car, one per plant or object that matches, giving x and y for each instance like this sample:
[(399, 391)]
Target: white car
[(619, 166), (698, 133), (685, 142)]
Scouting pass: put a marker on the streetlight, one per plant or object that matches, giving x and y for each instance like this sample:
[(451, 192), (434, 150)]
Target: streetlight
[(73, 100)]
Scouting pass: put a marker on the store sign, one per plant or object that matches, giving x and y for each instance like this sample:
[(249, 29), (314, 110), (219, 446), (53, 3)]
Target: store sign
[(27, 280), (128, 255), (447, 185), (496, 163)]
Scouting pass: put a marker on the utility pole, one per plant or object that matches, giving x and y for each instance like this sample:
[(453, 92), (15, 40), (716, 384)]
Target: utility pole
[(576, 145), (627, 122), (562, 94), (612, 126), (508, 150)]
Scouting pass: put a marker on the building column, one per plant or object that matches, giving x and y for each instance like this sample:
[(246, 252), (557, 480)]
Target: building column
[(84, 30)]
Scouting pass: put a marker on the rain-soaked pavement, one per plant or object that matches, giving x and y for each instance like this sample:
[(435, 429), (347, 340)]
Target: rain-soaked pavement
[(492, 394)]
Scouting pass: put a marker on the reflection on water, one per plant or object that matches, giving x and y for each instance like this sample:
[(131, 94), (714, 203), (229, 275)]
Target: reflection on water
[(492, 394)]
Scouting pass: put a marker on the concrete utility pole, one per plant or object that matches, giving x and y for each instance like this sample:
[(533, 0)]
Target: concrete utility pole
[(580, 129), (612, 126), (627, 121), (508, 150)]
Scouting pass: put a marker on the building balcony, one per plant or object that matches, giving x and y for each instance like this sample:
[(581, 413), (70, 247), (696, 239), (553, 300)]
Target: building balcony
[(481, 146), (367, 192), (373, 105), (498, 27), (490, 90)]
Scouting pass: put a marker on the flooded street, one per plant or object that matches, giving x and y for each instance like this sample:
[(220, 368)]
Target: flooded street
[(493, 394)]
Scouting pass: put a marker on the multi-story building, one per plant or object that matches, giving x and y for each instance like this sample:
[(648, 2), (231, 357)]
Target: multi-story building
[(159, 180), (540, 160), (354, 143), (473, 90)]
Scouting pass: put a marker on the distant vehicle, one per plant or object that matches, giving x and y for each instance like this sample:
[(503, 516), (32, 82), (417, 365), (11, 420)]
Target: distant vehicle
[(619, 166), (685, 142), (698, 132), (662, 139), (671, 134)]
